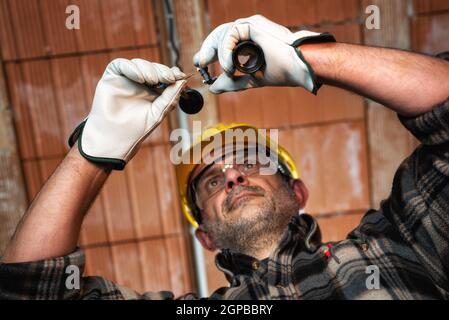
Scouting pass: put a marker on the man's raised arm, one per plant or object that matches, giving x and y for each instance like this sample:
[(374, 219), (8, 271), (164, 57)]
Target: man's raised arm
[(51, 226), (124, 112), (407, 82)]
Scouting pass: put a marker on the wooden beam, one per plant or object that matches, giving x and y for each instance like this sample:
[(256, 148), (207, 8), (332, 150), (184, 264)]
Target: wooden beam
[(13, 200), (389, 142)]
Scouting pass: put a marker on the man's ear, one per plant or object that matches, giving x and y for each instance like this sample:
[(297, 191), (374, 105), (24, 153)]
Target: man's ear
[(204, 239), (301, 192)]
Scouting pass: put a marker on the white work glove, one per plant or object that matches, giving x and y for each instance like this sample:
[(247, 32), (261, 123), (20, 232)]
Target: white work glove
[(125, 110), (285, 65)]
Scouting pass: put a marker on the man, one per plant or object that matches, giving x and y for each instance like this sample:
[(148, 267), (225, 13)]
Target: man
[(268, 251)]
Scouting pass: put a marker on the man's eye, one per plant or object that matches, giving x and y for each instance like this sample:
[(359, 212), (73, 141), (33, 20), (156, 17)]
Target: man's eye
[(248, 166), (212, 183)]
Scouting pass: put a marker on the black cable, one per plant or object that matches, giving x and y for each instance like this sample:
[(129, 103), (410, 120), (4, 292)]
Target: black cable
[(191, 101), (171, 31)]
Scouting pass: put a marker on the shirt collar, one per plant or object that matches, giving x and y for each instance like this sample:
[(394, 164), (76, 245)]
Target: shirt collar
[(302, 231)]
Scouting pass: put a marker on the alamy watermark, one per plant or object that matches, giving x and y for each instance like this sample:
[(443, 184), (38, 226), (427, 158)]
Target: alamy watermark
[(73, 280), (73, 20), (373, 280), (373, 20)]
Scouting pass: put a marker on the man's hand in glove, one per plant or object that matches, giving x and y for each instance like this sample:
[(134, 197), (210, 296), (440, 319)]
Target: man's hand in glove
[(125, 110), (285, 65)]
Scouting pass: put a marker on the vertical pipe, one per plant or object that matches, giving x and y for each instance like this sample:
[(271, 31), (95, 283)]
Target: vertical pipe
[(200, 267)]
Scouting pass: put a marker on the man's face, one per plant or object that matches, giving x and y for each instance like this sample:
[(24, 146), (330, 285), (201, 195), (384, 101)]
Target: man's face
[(241, 209)]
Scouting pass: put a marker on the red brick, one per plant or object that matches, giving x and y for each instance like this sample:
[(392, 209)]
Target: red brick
[(337, 227), (430, 33)]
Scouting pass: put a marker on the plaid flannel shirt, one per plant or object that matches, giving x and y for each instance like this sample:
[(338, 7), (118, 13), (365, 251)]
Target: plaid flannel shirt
[(407, 240)]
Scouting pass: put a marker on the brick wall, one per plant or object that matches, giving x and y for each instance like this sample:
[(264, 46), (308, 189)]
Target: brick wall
[(134, 233)]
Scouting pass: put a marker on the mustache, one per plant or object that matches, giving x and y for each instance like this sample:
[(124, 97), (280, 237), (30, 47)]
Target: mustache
[(227, 203)]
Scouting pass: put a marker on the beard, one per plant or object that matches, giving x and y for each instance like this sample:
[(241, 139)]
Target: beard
[(259, 225)]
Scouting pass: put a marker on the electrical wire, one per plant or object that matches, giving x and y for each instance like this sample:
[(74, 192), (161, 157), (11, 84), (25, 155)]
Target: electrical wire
[(171, 32)]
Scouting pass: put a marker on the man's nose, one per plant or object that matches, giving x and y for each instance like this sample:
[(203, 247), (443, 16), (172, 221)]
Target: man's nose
[(235, 178)]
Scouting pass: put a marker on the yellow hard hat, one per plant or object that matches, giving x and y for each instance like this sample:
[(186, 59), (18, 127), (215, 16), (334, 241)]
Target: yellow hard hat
[(188, 165)]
